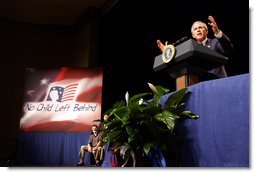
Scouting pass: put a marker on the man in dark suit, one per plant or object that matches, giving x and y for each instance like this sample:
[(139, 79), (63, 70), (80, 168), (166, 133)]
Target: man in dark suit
[(221, 43)]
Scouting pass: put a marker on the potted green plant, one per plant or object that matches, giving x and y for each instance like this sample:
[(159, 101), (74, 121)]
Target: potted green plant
[(141, 124)]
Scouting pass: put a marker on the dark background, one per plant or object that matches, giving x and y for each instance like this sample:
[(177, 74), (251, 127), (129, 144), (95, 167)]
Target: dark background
[(128, 34), (127, 46)]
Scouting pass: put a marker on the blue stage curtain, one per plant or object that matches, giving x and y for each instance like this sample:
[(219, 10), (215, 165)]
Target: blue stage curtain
[(50, 149), (220, 137)]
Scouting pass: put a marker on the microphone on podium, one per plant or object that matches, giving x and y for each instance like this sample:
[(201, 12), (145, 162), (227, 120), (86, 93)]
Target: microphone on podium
[(181, 40)]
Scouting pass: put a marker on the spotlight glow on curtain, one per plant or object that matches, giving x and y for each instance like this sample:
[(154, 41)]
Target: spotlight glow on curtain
[(61, 100)]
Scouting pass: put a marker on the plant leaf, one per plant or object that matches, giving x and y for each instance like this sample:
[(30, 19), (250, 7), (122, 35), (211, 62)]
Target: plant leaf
[(167, 118), (112, 135), (121, 113), (131, 131), (138, 96), (190, 114), (161, 90), (147, 147), (175, 98), (158, 91)]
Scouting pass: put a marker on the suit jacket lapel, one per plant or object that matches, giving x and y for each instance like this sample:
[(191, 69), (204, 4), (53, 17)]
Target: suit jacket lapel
[(208, 43)]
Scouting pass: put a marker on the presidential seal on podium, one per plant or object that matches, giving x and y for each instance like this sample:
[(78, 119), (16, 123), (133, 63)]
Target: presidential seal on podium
[(168, 54)]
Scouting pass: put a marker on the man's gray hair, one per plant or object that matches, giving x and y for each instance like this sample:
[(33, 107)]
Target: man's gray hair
[(202, 23)]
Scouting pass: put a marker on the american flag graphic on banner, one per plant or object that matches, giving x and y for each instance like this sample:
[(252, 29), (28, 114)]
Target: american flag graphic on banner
[(62, 94), (64, 100)]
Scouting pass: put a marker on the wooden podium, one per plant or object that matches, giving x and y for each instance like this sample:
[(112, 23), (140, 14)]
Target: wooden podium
[(191, 61)]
